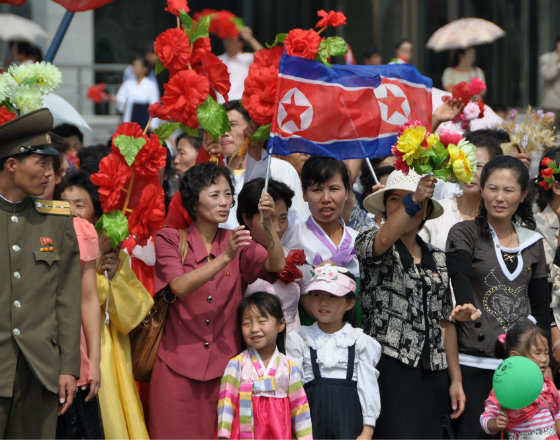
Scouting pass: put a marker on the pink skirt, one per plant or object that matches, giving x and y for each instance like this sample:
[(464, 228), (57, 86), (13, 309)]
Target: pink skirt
[(271, 418), (181, 407)]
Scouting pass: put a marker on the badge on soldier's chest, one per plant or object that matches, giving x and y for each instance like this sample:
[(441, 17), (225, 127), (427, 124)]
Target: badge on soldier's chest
[(46, 241)]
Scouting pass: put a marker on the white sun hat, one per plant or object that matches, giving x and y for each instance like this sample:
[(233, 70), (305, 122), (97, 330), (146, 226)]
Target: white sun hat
[(397, 180)]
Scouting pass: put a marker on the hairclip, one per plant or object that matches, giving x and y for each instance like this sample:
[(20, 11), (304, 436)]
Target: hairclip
[(502, 339)]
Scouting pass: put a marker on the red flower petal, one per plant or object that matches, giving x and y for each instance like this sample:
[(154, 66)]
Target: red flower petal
[(6, 115), (216, 72), (147, 216), (302, 43), (150, 158), (173, 49), (111, 179), (175, 7), (330, 18)]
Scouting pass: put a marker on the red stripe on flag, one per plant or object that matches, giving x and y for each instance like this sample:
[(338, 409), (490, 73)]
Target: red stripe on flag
[(322, 113)]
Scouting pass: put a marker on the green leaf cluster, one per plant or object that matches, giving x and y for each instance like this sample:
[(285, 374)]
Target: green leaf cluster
[(262, 133), (213, 118), (331, 46), (199, 30), (166, 130), (115, 225), (278, 40), (129, 147)]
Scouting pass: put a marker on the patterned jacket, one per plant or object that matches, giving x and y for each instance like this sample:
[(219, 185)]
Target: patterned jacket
[(397, 299)]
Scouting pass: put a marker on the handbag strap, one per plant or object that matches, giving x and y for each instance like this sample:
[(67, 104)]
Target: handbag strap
[(183, 245)]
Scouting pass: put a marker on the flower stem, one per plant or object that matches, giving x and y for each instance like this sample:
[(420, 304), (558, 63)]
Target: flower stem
[(128, 193), (146, 128), (321, 30), (178, 22)]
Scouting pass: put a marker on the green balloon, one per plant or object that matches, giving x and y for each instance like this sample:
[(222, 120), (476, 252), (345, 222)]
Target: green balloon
[(517, 382)]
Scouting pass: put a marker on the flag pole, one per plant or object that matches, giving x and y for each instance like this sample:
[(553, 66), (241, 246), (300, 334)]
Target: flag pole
[(372, 171), (266, 179)]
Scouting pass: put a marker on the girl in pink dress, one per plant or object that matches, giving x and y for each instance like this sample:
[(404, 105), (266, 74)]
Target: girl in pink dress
[(539, 420), (261, 394)]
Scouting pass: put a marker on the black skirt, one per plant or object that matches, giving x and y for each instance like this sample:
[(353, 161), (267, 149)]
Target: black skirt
[(82, 420), (414, 402), (477, 384)]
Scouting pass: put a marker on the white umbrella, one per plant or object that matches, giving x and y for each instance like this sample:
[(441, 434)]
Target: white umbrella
[(463, 33), (14, 27), (64, 112)]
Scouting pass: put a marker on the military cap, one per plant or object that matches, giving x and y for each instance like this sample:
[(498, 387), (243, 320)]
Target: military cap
[(27, 134)]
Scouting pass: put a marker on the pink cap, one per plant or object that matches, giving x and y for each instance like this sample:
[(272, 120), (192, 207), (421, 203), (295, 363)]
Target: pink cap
[(331, 279)]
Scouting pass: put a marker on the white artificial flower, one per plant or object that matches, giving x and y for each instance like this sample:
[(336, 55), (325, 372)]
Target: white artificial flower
[(27, 99)]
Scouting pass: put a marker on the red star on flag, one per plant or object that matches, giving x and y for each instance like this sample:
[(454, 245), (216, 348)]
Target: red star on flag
[(393, 103), (293, 112)]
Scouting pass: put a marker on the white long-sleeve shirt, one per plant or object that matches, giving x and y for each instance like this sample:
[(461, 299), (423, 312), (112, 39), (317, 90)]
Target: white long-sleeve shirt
[(131, 92), (332, 358)]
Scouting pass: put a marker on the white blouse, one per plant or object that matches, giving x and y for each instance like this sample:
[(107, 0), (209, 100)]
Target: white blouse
[(435, 231), (298, 236), (332, 358), (131, 92)]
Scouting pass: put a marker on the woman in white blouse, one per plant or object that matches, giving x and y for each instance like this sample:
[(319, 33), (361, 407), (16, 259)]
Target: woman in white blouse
[(136, 95)]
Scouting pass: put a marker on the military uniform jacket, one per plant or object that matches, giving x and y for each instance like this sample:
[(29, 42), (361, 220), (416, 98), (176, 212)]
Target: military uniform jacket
[(39, 291)]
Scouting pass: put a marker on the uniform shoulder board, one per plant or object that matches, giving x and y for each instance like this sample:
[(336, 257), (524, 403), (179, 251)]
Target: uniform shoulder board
[(56, 207)]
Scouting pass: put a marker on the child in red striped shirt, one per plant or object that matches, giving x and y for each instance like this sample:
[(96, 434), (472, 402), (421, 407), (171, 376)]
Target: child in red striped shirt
[(539, 420)]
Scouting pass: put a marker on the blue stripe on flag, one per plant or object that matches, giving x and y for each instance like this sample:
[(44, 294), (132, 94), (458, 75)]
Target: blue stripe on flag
[(341, 149)]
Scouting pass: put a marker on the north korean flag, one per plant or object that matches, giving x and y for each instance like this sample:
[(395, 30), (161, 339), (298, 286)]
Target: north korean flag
[(344, 111)]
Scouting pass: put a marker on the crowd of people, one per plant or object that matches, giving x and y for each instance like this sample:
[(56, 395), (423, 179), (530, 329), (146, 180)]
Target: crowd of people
[(327, 300)]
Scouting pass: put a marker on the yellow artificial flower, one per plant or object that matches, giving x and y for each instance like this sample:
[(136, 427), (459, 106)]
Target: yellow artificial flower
[(460, 164), (432, 140), (410, 143)]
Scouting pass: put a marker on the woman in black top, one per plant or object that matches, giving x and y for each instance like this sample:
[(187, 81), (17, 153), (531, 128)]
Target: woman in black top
[(406, 303), (498, 271)]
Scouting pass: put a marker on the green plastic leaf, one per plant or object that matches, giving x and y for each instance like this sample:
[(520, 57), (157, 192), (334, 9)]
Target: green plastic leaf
[(239, 23), (213, 118), (337, 46), (422, 169), (190, 131), (278, 40), (442, 174), (186, 19), (199, 30), (129, 147), (323, 53), (159, 66), (428, 153), (262, 133), (115, 225), (166, 130)]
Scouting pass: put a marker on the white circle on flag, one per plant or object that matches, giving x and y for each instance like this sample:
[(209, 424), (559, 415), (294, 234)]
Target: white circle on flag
[(397, 116), (295, 98)]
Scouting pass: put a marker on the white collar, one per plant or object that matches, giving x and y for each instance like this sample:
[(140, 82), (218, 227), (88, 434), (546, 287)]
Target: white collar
[(316, 338), (526, 238)]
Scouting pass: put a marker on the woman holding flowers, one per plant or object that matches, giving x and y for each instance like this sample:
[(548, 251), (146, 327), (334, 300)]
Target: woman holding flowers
[(498, 271), (201, 332), (406, 303)]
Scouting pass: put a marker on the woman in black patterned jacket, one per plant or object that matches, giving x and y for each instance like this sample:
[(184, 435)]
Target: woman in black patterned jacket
[(406, 304)]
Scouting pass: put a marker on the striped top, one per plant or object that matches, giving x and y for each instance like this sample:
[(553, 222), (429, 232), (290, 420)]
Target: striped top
[(245, 376), (535, 421)]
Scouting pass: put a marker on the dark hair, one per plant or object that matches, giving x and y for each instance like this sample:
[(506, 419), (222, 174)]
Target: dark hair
[(524, 214), (490, 138), (19, 157), (81, 179), (455, 55), (235, 104), (248, 198), (170, 183), (59, 143), (544, 196), (196, 141), (267, 304), (66, 130), (144, 62), (198, 177), (91, 156), (366, 53), (401, 42), (366, 177), (29, 50), (520, 337), (318, 170)]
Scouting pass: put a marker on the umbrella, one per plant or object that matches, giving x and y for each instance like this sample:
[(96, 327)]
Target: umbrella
[(14, 27), (463, 33), (64, 112)]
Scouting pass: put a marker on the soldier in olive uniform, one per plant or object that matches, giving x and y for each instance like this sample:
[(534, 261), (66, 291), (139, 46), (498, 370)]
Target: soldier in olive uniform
[(39, 285)]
